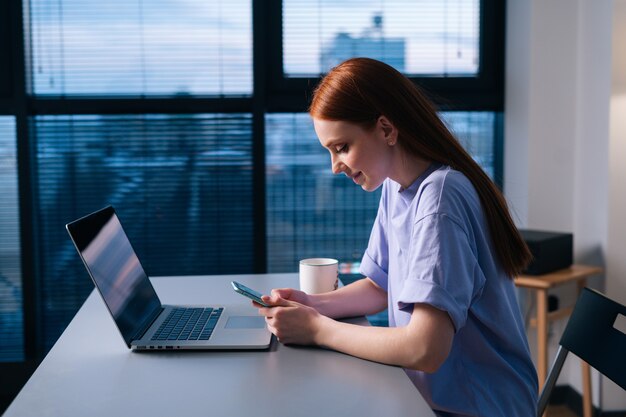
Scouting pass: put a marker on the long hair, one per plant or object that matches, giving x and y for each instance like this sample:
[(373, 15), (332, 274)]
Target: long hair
[(360, 90)]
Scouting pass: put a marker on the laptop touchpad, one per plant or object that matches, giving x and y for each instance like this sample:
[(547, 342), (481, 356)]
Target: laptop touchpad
[(245, 322)]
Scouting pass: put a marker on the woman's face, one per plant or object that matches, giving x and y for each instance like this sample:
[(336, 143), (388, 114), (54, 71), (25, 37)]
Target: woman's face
[(363, 155)]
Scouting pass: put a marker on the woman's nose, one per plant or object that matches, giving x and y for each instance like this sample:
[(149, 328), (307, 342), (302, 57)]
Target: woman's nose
[(337, 166)]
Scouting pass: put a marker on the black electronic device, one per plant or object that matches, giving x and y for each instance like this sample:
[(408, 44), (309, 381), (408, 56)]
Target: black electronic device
[(551, 250)]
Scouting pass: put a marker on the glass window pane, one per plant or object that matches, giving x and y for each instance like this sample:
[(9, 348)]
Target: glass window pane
[(313, 213), (181, 184), (11, 318), (310, 211), (476, 132), (142, 47), (427, 38)]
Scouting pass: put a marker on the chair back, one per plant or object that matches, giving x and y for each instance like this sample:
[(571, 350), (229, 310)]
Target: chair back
[(590, 334)]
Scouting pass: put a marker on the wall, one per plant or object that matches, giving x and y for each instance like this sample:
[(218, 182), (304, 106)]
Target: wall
[(561, 117), (613, 396)]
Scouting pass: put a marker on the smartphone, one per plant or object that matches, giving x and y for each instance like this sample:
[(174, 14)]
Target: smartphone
[(250, 293)]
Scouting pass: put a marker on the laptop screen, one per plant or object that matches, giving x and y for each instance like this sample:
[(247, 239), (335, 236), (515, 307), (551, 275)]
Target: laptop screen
[(116, 271)]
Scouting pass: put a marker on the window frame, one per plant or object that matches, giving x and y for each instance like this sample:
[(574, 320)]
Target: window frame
[(484, 92), (272, 92)]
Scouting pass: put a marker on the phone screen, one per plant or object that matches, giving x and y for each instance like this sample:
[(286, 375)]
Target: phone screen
[(248, 292)]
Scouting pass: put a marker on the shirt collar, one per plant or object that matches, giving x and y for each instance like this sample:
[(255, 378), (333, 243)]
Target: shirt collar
[(410, 192)]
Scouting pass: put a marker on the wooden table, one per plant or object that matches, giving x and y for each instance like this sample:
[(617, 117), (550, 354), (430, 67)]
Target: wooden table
[(540, 284)]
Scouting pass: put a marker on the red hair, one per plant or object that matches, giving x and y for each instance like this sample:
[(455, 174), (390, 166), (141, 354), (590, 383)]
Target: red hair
[(360, 90)]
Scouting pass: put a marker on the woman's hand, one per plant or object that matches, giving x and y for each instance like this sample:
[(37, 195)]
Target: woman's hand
[(291, 295), (292, 322)]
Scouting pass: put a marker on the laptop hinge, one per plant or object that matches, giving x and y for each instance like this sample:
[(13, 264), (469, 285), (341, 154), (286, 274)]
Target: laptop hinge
[(149, 321)]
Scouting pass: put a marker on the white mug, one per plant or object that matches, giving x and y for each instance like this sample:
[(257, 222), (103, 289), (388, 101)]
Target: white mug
[(318, 275)]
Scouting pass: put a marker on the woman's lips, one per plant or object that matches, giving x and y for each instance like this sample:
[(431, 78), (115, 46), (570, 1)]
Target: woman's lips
[(357, 177)]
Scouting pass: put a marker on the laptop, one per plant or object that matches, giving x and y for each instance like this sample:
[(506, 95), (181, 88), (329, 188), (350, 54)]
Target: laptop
[(144, 323)]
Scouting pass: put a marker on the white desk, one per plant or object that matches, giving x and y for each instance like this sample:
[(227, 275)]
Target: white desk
[(90, 372)]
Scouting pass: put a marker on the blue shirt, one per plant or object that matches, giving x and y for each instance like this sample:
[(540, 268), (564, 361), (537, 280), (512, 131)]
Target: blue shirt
[(430, 244)]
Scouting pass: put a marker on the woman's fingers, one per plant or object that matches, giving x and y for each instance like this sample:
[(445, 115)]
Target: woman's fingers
[(281, 293)]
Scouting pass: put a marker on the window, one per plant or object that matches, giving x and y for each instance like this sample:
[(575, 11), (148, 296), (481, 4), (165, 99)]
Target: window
[(5, 52), (188, 117), (313, 213), (310, 212), (417, 38), (141, 47), (11, 317), (452, 48), (181, 184)]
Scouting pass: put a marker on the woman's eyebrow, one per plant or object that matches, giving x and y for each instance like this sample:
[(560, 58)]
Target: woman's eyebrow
[(332, 142)]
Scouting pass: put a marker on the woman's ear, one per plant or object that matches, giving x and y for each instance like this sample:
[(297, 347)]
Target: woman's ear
[(389, 130)]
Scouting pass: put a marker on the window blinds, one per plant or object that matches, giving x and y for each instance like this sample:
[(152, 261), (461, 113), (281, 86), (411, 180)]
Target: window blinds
[(181, 184), (420, 38), (138, 47), (11, 318), (310, 211), (313, 213), (476, 132)]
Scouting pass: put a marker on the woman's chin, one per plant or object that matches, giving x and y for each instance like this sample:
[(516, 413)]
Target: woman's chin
[(366, 186)]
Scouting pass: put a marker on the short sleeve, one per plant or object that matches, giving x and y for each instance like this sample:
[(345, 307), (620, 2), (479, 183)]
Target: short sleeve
[(443, 270), (375, 262)]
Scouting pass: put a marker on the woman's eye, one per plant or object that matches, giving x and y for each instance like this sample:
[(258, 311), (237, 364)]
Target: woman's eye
[(341, 148)]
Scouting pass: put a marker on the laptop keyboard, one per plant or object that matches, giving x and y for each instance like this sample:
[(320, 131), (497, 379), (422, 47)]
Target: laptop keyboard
[(188, 324)]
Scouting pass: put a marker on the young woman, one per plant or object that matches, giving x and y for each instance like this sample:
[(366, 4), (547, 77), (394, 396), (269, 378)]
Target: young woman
[(441, 256)]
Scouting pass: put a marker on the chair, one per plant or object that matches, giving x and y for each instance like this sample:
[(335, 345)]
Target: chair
[(590, 335)]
